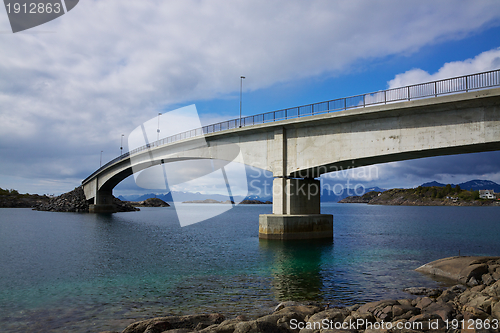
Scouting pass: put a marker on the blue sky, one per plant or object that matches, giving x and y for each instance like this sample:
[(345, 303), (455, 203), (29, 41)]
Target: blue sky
[(71, 87)]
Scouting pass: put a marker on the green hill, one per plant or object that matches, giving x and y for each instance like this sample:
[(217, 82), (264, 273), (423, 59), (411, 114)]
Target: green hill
[(424, 196)]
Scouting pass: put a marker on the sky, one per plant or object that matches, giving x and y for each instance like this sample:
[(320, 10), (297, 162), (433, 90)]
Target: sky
[(71, 87)]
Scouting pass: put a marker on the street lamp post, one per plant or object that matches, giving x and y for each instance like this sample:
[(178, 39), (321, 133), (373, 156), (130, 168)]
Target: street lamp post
[(241, 89), (158, 130), (100, 161), (121, 145)]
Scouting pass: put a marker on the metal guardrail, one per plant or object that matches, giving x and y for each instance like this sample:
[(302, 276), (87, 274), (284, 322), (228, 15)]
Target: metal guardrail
[(417, 91)]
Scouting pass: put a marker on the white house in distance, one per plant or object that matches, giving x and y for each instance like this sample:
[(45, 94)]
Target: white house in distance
[(487, 194)]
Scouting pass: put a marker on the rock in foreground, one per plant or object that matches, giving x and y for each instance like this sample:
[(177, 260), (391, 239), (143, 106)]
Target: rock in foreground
[(468, 270)]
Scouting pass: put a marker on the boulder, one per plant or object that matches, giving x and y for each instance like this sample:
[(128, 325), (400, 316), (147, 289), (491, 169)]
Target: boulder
[(458, 268), (278, 321), (495, 311), (430, 292), (156, 325), (487, 279), (472, 282), (444, 310), (493, 290), (161, 324), (428, 319), (404, 311), (450, 293), (285, 304), (424, 302), (482, 302), (405, 302), (227, 326), (331, 315), (478, 289), (474, 313), (473, 271), (255, 326), (373, 307), (468, 296), (493, 267)]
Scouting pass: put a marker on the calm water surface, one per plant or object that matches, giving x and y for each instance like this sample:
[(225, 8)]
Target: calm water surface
[(63, 272)]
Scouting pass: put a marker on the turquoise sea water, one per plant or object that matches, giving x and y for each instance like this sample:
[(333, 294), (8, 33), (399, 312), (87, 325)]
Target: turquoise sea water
[(74, 272)]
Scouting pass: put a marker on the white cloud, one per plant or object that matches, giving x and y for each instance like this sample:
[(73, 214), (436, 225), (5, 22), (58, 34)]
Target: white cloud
[(483, 62), (446, 169), (111, 65)]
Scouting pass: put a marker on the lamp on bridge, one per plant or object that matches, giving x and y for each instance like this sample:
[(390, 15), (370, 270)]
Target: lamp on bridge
[(241, 89), (121, 145), (158, 130), (100, 161)]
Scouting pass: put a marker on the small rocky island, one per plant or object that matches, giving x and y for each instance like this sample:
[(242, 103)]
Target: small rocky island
[(423, 196), (151, 202), (243, 202), (209, 201), (473, 305)]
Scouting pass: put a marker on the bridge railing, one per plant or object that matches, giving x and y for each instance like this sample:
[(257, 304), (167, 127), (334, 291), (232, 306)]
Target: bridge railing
[(453, 85)]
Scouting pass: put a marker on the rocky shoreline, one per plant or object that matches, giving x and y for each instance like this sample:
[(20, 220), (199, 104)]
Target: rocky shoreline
[(405, 197), (473, 306), (243, 202), (75, 201)]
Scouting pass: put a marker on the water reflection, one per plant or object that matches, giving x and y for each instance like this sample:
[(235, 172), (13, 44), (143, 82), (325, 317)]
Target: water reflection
[(297, 267)]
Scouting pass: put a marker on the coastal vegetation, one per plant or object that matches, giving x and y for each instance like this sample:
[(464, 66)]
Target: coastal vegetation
[(423, 196), (13, 199)]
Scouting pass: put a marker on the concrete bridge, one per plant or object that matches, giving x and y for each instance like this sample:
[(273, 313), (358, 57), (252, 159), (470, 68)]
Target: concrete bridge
[(299, 150)]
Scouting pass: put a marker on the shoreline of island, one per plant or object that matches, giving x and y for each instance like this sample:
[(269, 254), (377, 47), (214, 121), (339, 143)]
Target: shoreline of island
[(75, 201), (422, 196), (242, 202)]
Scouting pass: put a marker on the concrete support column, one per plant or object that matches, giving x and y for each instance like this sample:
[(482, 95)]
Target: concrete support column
[(296, 196), (296, 212), (104, 197), (103, 202), (279, 196)]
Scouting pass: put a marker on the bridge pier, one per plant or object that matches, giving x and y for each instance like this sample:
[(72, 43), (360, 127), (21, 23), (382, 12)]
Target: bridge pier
[(296, 211), (103, 202)]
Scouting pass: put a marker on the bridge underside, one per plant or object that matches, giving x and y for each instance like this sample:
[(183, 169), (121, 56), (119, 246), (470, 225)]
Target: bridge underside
[(317, 171)]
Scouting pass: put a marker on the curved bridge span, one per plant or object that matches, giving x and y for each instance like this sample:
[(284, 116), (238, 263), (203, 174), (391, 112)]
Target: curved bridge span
[(298, 150)]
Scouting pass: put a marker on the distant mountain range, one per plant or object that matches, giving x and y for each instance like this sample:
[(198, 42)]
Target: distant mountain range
[(326, 195), (179, 196), (473, 185)]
